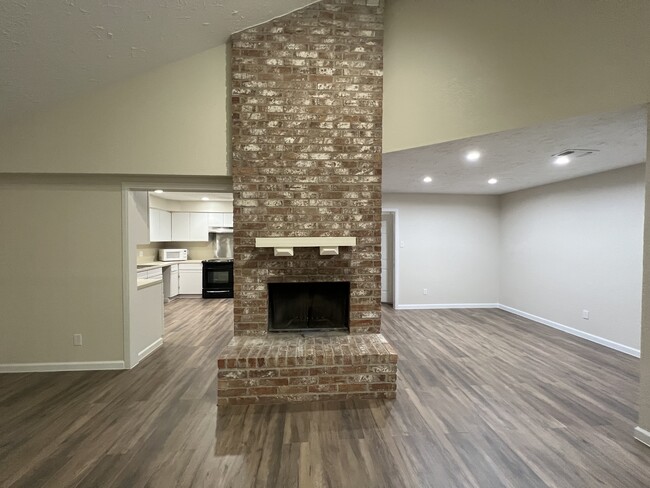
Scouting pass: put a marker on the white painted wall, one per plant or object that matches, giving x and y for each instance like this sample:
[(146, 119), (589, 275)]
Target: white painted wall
[(577, 245), (451, 247)]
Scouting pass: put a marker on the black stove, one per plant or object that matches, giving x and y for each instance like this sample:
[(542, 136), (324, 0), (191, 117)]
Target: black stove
[(218, 279)]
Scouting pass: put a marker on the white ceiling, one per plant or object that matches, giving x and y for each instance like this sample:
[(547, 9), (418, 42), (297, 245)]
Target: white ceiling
[(184, 196), (51, 50), (520, 158)]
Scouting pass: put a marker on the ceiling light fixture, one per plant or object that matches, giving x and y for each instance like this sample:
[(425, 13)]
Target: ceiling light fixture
[(205, 199), (493, 181), (157, 191), (562, 160), (473, 156), (427, 179)]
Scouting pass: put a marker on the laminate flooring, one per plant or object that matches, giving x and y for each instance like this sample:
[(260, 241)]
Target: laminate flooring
[(485, 399)]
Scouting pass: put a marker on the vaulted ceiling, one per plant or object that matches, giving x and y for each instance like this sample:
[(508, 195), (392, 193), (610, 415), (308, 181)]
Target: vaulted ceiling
[(53, 50)]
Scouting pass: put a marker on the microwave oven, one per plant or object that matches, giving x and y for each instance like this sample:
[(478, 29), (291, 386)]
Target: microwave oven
[(172, 254)]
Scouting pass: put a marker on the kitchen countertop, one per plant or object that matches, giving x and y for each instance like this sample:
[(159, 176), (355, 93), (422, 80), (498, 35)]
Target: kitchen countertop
[(164, 264), (147, 282)]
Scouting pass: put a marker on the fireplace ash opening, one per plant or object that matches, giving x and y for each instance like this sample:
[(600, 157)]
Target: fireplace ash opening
[(312, 306)]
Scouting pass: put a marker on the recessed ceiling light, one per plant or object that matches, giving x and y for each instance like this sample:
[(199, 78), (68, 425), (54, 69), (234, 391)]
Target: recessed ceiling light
[(157, 191), (493, 181), (473, 156), (205, 199), (427, 179), (562, 160)]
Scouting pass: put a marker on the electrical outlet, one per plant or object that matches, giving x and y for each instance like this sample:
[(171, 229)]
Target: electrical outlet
[(425, 291), (77, 340), (585, 314)]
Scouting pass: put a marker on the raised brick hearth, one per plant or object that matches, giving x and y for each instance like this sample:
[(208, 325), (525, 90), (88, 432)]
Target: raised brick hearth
[(291, 368), (306, 162)]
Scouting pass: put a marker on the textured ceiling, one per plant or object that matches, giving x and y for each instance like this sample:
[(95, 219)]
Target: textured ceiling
[(51, 50), (520, 158)]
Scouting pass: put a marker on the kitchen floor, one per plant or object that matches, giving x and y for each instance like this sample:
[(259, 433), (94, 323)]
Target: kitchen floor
[(485, 398)]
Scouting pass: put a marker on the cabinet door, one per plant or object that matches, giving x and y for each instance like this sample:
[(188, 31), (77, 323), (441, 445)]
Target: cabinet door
[(190, 282), (173, 284), (215, 219), (154, 224), (165, 226), (198, 227), (180, 226), (227, 219)]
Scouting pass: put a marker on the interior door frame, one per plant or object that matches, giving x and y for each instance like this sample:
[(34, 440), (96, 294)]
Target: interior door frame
[(395, 214), (192, 184)]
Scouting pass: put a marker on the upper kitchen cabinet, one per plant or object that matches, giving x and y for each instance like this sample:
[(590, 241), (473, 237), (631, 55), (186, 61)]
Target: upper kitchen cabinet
[(227, 219), (160, 225), (215, 219), (138, 216), (189, 226)]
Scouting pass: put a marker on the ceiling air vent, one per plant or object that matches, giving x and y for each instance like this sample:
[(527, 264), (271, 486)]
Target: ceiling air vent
[(575, 153)]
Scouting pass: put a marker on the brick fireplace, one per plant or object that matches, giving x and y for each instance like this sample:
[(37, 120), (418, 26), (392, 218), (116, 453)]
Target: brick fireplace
[(306, 163)]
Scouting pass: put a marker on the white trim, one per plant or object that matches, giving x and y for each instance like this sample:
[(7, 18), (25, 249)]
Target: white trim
[(149, 349), (576, 332), (435, 306), (395, 213), (49, 367), (642, 435)]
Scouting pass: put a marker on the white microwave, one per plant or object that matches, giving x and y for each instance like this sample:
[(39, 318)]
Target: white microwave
[(172, 254)]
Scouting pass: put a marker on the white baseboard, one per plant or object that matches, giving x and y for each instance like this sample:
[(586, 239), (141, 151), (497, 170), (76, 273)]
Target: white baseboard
[(576, 332), (149, 349), (434, 306), (642, 435), (51, 367)]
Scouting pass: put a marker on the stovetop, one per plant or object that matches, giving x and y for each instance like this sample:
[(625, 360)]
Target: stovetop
[(218, 260)]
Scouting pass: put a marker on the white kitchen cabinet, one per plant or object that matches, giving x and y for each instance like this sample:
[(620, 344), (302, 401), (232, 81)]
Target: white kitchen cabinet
[(160, 225), (215, 219), (180, 226), (227, 219), (173, 282), (189, 226), (138, 217), (190, 279), (165, 226), (199, 227)]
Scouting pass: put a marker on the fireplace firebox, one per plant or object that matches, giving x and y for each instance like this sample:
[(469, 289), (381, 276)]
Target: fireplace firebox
[(311, 306)]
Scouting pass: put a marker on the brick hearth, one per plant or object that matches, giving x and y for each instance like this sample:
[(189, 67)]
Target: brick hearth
[(292, 368), (306, 162)]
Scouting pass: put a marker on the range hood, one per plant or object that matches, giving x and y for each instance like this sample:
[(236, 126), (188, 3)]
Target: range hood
[(220, 230)]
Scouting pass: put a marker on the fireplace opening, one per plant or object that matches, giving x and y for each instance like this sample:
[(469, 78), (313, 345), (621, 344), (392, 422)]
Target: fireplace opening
[(309, 306)]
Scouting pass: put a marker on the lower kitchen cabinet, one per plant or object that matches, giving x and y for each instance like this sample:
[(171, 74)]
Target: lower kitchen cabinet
[(190, 279), (173, 284)]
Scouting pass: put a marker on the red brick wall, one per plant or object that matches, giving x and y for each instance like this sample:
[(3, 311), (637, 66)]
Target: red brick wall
[(306, 127)]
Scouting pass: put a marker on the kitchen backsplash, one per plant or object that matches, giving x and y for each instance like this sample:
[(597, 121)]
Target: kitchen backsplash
[(196, 250)]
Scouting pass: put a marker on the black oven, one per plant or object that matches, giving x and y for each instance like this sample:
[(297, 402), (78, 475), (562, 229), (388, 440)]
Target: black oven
[(218, 278)]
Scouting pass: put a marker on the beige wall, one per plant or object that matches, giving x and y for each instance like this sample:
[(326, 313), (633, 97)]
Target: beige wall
[(171, 120), (644, 397), (459, 68), (61, 264), (578, 245), (441, 236)]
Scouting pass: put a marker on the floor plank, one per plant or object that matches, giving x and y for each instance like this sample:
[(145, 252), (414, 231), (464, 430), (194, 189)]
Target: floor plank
[(485, 398)]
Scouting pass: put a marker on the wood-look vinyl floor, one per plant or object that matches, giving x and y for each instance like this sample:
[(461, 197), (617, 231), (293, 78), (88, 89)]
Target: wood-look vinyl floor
[(485, 399)]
